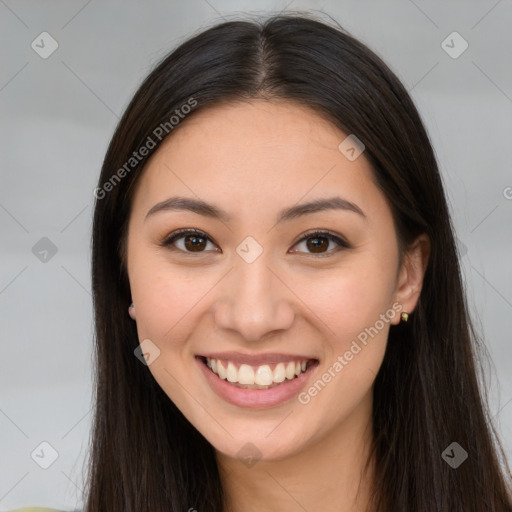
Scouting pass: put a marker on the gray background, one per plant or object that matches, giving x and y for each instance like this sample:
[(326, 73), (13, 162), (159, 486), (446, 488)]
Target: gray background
[(57, 116)]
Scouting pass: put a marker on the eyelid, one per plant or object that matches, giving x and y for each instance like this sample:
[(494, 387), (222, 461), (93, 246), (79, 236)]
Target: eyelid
[(180, 233)]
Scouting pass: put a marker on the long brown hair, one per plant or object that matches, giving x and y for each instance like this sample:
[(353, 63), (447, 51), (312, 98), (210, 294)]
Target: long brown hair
[(145, 455)]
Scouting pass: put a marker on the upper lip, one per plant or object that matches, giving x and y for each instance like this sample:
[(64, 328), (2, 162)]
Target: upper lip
[(256, 359)]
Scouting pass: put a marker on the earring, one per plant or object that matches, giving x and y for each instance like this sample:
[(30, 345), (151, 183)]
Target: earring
[(131, 311), (404, 317)]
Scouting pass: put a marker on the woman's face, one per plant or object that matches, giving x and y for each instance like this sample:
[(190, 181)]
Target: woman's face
[(256, 289)]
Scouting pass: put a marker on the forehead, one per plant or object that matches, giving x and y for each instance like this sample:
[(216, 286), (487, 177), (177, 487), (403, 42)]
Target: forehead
[(250, 154)]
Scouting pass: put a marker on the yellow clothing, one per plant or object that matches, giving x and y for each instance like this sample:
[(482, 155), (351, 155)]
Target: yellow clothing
[(36, 509)]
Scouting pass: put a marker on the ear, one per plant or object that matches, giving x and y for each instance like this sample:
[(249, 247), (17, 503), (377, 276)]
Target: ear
[(131, 311), (411, 274)]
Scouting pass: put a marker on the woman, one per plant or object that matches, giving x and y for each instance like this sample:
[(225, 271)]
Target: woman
[(281, 323)]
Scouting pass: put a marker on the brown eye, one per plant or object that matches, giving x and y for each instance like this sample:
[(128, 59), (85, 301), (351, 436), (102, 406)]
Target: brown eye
[(318, 243), (187, 241), (194, 243)]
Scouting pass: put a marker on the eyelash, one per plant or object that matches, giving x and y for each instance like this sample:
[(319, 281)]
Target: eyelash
[(182, 233)]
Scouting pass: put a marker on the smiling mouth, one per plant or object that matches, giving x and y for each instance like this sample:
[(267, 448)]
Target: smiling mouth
[(266, 376)]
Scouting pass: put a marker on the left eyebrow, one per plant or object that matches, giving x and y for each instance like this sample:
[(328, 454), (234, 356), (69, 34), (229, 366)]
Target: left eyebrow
[(332, 203), (209, 210)]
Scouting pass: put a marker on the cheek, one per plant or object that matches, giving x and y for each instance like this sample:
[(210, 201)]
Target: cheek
[(167, 297), (354, 306), (348, 299)]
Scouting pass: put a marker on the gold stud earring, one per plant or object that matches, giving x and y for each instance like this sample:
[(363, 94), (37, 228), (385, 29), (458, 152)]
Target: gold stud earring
[(404, 317)]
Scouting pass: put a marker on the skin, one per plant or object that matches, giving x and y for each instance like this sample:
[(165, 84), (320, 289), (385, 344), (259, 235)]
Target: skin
[(254, 159)]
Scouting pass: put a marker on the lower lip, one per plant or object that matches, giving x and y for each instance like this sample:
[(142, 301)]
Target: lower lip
[(255, 398)]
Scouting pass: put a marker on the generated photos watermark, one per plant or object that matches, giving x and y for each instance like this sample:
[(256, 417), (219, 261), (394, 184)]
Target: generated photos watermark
[(343, 360), (159, 133)]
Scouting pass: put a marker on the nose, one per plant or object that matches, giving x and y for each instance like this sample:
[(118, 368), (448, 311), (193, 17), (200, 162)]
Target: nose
[(254, 301)]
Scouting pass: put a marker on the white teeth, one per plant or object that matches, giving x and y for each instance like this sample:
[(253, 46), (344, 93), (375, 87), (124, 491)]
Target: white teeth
[(221, 370), (290, 371), (279, 373), (263, 375), (232, 372), (245, 374)]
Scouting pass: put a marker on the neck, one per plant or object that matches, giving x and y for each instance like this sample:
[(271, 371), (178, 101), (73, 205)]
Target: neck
[(327, 474)]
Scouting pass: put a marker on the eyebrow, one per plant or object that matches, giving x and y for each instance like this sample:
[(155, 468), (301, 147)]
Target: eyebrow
[(200, 207)]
